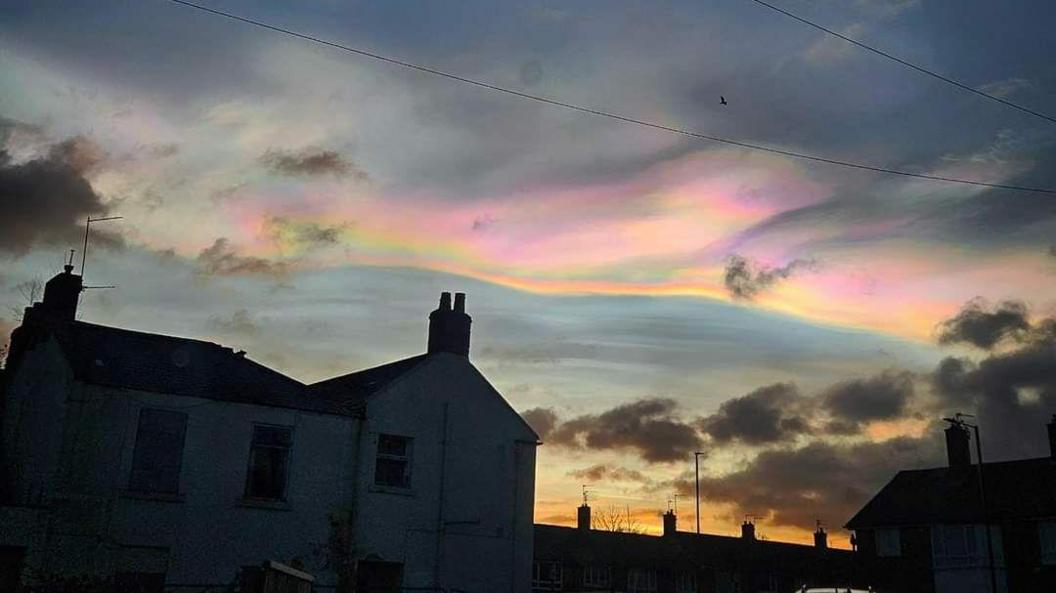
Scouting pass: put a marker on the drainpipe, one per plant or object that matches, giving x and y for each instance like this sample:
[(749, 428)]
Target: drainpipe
[(440, 500)]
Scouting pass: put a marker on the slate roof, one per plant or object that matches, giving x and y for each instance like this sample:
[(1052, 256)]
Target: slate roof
[(115, 357), (1023, 489), (364, 383)]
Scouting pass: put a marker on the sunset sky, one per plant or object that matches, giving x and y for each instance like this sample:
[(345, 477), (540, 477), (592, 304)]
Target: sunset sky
[(638, 294)]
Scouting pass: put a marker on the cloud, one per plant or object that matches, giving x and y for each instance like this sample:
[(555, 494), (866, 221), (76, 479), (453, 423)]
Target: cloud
[(769, 414), (240, 322), (745, 280), (295, 233), (980, 326), (542, 421), (483, 223), (826, 481), (222, 259), (1052, 250), (647, 426), (312, 163), (882, 397), (44, 201), (601, 472)]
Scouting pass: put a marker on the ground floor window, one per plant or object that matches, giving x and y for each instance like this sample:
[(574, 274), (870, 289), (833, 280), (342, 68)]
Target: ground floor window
[(641, 580), (546, 575)]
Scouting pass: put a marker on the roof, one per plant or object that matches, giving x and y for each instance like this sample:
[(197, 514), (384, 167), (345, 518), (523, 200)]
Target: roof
[(115, 357), (364, 383), (683, 550), (1023, 489)]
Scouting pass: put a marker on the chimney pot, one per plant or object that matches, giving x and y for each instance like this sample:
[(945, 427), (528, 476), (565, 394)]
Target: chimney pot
[(449, 329), (821, 539), (445, 301), (460, 302), (748, 530)]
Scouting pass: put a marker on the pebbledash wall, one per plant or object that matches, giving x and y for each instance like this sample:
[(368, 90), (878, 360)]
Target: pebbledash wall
[(464, 521)]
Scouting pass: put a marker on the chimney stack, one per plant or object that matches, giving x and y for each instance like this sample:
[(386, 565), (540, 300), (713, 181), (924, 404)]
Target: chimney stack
[(583, 517), (1052, 436), (748, 530), (957, 446), (821, 539), (449, 328), (670, 523)]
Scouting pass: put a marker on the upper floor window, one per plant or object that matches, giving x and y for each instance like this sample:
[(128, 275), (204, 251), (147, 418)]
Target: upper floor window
[(269, 460), (393, 465), (158, 454), (595, 575), (963, 545), (546, 575), (641, 580), (1047, 539), (888, 542)]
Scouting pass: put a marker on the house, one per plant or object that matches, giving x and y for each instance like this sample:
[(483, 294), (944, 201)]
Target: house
[(582, 559), (924, 531), (154, 462)]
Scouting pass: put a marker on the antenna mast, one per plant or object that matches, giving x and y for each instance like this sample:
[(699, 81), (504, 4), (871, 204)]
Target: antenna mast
[(87, 225)]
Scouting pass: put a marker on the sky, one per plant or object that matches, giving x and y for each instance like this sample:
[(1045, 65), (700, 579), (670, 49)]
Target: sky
[(638, 295)]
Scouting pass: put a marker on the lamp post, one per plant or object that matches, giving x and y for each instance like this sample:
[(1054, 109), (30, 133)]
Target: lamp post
[(958, 420), (696, 473)]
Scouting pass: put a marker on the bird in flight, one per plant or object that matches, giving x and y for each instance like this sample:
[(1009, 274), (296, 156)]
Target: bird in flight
[(722, 100)]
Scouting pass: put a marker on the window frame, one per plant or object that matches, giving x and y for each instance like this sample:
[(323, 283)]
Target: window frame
[(407, 458), (246, 494), (634, 584), (548, 584), (1047, 535), (597, 575), (686, 581), (134, 485), (893, 540)]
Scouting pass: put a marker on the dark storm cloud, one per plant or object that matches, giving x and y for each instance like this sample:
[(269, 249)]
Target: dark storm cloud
[(1011, 392), (745, 280), (881, 397), (647, 426), (542, 421), (822, 480), (767, 415), (312, 163), (984, 327), (45, 201), (223, 259), (601, 472)]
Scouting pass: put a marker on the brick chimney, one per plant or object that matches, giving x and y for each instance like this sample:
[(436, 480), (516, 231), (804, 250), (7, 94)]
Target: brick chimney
[(449, 327), (670, 523), (821, 539), (957, 446), (1052, 436), (583, 517), (748, 530)]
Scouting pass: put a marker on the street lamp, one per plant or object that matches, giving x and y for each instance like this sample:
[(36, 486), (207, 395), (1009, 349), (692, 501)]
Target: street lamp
[(958, 420), (696, 472)]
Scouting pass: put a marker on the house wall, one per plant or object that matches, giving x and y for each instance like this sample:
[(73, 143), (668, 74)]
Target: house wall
[(75, 443), (466, 521)]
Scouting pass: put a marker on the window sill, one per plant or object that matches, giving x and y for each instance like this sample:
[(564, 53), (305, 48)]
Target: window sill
[(391, 490), (266, 504), (153, 496)]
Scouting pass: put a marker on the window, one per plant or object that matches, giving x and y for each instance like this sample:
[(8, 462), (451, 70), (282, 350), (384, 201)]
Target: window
[(888, 543), (596, 576), (158, 454), (269, 459), (1047, 539), (686, 582), (963, 545), (546, 575), (393, 467), (641, 580)]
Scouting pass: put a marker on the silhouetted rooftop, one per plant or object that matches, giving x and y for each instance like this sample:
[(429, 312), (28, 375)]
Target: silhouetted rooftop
[(366, 382), (1014, 490), (114, 357)]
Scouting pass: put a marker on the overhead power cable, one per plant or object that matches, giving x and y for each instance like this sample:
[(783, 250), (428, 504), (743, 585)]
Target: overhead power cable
[(896, 59), (605, 114)]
